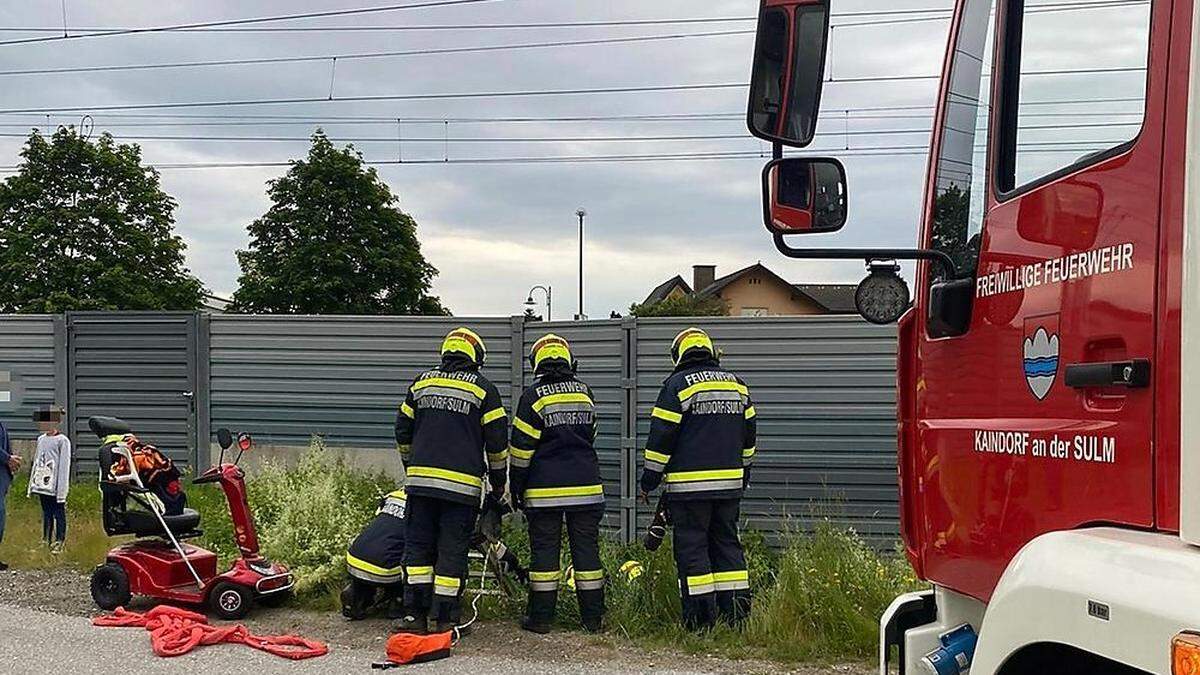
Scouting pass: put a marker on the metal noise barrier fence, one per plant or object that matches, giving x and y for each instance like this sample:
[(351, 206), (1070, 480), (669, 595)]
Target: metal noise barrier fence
[(824, 388)]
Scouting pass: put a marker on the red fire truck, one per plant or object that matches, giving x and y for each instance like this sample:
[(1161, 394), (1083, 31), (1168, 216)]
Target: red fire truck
[(1049, 359)]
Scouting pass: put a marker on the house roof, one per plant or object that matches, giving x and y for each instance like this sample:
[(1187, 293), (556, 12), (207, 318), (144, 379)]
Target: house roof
[(836, 298), (833, 298), (717, 286), (663, 290)]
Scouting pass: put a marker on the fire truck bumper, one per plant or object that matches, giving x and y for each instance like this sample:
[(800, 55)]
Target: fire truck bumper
[(915, 624)]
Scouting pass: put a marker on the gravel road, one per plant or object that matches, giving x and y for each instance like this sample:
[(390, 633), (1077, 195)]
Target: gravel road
[(46, 628), (41, 642)]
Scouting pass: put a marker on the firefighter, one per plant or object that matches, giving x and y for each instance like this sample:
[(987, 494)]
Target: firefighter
[(374, 561), (451, 432), (556, 477), (702, 432)]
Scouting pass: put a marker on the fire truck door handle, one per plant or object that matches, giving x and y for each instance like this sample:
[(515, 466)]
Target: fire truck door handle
[(1134, 373)]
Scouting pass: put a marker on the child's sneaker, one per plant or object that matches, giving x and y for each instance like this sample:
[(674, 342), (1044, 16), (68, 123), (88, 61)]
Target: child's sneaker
[(56, 548)]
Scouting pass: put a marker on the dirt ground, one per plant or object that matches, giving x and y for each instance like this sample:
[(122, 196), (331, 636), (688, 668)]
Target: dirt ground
[(66, 592)]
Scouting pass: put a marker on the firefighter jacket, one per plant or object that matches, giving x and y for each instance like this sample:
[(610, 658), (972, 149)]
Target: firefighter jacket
[(552, 457), (451, 430), (377, 554), (702, 432)]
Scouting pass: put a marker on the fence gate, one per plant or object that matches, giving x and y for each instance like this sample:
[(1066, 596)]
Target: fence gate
[(140, 367)]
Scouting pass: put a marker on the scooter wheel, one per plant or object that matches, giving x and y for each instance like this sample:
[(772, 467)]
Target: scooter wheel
[(230, 601), (110, 586)]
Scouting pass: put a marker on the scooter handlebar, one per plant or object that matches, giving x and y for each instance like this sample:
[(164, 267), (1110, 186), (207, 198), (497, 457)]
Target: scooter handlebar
[(212, 475)]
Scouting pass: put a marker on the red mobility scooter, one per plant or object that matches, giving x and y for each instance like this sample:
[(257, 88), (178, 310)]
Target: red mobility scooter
[(141, 496)]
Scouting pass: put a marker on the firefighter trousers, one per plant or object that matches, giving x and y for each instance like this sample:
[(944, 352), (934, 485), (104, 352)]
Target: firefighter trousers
[(435, 556), (545, 543), (713, 580)]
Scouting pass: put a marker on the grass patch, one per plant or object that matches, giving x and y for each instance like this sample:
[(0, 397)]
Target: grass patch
[(817, 598)]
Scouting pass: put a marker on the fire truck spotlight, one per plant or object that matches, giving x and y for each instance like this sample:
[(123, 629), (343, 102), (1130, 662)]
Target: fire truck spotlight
[(1185, 654), (882, 297)]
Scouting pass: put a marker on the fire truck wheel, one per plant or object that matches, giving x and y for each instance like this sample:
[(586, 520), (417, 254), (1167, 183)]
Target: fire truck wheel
[(110, 586), (230, 601)]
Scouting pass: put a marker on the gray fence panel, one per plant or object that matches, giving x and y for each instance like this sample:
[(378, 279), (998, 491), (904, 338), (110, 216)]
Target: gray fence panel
[(139, 366), (27, 364), (824, 390), (284, 378), (597, 346)]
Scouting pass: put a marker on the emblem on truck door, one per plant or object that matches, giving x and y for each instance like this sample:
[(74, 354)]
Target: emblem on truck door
[(1041, 354)]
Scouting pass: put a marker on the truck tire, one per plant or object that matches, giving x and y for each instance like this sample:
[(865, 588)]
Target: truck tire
[(110, 586), (230, 601)]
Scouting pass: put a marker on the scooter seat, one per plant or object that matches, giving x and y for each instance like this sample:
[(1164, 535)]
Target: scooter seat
[(107, 426), (144, 524)]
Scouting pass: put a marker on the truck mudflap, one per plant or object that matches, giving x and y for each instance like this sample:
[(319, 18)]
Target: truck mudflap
[(906, 611)]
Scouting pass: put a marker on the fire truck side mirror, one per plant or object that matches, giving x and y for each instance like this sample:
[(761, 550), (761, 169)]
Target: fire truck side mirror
[(803, 195), (789, 67)]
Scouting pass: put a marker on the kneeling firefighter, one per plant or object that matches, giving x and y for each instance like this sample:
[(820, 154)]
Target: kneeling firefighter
[(702, 435), (556, 477), (451, 431), (375, 560)]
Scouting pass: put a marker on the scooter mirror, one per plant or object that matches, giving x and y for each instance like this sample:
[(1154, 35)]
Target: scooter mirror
[(224, 438), (244, 442)]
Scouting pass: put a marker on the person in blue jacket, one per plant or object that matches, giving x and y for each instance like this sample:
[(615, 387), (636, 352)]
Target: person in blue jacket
[(9, 463)]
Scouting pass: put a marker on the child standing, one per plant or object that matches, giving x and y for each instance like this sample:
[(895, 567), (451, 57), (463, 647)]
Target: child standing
[(50, 476)]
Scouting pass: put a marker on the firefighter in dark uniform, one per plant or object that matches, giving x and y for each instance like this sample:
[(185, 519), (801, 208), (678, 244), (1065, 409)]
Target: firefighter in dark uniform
[(702, 435), (556, 477), (451, 431), (375, 561)]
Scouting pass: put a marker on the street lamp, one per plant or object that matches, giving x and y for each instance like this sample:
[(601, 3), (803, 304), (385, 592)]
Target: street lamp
[(530, 303), (581, 213)]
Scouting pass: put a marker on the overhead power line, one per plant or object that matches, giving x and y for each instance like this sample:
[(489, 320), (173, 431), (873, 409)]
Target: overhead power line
[(368, 55), (883, 151), (906, 16), (407, 27), (234, 121), (382, 97), (844, 133), (253, 20), (1045, 8), (515, 94)]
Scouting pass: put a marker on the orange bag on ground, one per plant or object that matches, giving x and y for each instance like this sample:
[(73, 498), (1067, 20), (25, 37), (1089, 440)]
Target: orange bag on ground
[(404, 648)]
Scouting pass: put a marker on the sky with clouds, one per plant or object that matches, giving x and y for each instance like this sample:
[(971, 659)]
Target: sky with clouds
[(494, 230)]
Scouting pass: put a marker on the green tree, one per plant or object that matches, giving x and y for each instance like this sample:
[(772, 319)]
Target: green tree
[(334, 242), (682, 305), (84, 225)]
